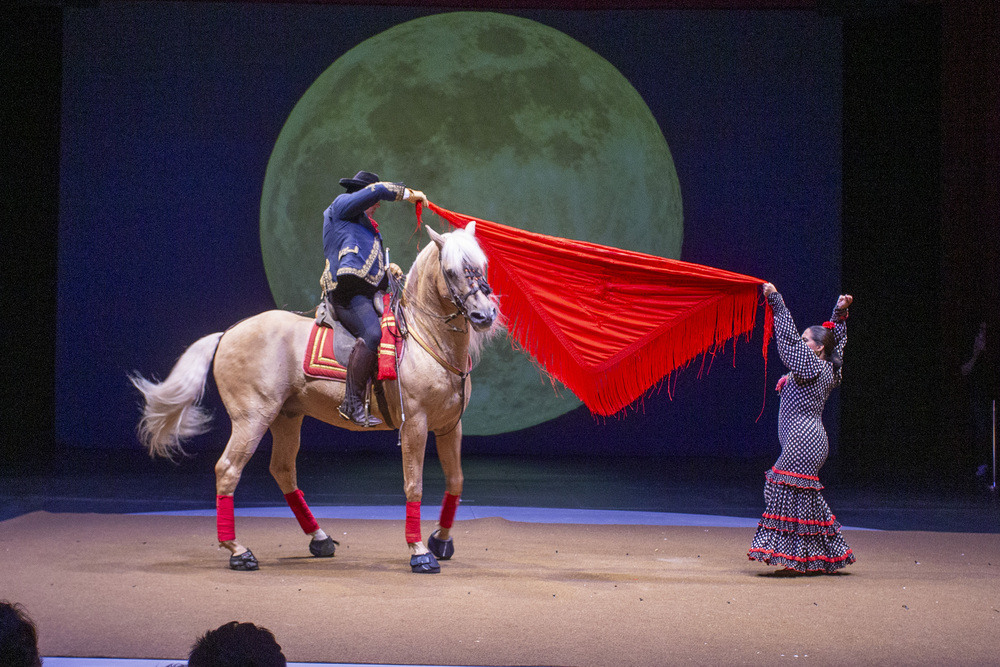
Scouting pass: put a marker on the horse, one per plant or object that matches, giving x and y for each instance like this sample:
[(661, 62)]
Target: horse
[(448, 309)]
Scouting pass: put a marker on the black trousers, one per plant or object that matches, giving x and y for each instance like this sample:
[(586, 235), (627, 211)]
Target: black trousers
[(352, 301)]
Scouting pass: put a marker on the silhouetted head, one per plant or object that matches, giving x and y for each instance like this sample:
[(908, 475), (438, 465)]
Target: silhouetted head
[(237, 645), (18, 637)]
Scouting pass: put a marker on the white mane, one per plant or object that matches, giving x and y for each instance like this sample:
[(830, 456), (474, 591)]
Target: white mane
[(461, 249)]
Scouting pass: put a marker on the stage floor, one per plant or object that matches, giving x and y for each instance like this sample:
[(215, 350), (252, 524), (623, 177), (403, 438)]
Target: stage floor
[(559, 562)]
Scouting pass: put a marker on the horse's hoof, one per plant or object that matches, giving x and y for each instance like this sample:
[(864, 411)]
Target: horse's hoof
[(424, 564), (324, 548), (443, 549), (245, 562)]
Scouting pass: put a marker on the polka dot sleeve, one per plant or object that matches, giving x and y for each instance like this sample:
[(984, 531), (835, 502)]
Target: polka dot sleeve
[(794, 353)]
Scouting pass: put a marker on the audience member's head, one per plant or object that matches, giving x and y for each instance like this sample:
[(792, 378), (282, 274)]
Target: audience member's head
[(237, 645), (18, 637)]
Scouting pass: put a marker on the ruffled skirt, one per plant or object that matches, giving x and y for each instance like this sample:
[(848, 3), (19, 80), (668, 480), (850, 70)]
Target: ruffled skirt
[(798, 530)]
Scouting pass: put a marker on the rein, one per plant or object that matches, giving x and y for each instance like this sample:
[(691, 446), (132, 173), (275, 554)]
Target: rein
[(448, 366)]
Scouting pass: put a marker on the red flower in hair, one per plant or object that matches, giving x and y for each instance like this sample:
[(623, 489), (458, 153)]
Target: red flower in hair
[(829, 325)]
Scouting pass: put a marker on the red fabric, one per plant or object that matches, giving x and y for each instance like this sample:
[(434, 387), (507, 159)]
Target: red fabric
[(609, 323), (225, 520), (413, 534), (795, 474), (770, 553), (297, 502), (387, 348), (448, 508)]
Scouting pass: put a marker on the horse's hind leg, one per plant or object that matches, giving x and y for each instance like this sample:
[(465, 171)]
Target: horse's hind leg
[(242, 444), (286, 431), (449, 449)]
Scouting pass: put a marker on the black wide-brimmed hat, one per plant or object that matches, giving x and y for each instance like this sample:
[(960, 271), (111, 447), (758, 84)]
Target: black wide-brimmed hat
[(360, 180)]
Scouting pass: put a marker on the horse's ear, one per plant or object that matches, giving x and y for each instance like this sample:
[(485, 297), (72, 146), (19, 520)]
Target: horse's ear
[(470, 228), (437, 238)]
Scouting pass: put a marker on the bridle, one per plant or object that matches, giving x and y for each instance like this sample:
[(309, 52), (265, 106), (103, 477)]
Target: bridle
[(477, 283)]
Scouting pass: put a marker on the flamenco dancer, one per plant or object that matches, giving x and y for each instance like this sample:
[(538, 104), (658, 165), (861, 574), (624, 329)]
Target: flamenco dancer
[(798, 531)]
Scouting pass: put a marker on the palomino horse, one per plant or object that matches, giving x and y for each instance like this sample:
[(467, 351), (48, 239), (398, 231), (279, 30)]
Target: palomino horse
[(449, 312)]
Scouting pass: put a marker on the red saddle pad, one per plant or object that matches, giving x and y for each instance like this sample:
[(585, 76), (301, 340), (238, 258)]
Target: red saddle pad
[(320, 362)]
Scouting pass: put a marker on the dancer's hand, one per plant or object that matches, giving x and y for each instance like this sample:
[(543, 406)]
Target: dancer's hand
[(844, 301), (782, 381), (770, 289)]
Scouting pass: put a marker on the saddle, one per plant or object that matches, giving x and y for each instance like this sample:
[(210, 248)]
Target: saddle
[(330, 343)]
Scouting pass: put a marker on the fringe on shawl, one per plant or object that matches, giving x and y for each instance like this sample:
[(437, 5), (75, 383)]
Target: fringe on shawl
[(608, 387)]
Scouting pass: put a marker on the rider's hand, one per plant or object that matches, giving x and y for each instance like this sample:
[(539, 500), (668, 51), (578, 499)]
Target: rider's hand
[(395, 271), (415, 196)]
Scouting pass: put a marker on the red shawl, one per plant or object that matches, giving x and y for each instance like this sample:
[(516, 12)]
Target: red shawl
[(609, 323)]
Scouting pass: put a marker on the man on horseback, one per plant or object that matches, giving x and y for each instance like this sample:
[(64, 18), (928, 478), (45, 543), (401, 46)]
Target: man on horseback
[(355, 271)]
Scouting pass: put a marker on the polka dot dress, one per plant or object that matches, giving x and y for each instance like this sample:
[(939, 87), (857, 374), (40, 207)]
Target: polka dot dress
[(798, 530)]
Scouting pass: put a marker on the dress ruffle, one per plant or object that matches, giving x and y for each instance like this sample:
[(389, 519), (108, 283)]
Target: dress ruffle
[(789, 478), (798, 530)]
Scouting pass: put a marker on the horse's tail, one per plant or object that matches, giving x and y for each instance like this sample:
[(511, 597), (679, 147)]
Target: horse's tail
[(171, 412)]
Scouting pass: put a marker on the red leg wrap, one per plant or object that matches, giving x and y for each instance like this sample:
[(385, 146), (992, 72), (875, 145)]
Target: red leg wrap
[(306, 519), (413, 522), (448, 508), (225, 520)]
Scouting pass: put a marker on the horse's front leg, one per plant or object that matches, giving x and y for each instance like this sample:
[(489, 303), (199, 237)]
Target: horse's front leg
[(449, 449), (413, 439), (286, 434)]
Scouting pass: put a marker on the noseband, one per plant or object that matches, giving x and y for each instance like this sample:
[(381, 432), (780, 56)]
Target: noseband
[(477, 283)]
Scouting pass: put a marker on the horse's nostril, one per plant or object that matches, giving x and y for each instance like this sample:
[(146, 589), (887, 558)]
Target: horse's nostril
[(481, 320)]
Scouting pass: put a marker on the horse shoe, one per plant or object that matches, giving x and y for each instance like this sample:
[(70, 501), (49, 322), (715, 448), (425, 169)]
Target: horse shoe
[(324, 548), (424, 564), (245, 562), (443, 549)]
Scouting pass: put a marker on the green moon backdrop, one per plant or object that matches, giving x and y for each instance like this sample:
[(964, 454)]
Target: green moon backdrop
[(491, 115)]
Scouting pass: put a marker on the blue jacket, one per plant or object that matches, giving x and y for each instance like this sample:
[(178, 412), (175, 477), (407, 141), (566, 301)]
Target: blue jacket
[(351, 243)]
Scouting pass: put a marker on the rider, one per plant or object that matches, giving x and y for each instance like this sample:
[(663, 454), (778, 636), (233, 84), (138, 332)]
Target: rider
[(355, 271)]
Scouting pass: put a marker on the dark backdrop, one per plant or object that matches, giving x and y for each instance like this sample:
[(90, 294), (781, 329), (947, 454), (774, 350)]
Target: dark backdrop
[(919, 227)]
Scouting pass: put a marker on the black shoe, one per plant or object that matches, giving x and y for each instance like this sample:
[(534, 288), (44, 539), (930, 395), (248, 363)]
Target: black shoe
[(245, 562), (424, 564), (443, 549), (324, 548), (360, 368)]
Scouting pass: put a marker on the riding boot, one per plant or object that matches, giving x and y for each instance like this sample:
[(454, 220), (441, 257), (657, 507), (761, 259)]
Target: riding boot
[(360, 368)]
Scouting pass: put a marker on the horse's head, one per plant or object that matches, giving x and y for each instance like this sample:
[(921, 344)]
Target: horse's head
[(463, 268)]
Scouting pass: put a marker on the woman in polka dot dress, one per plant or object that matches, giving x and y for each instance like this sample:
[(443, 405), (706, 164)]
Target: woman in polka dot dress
[(798, 531)]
